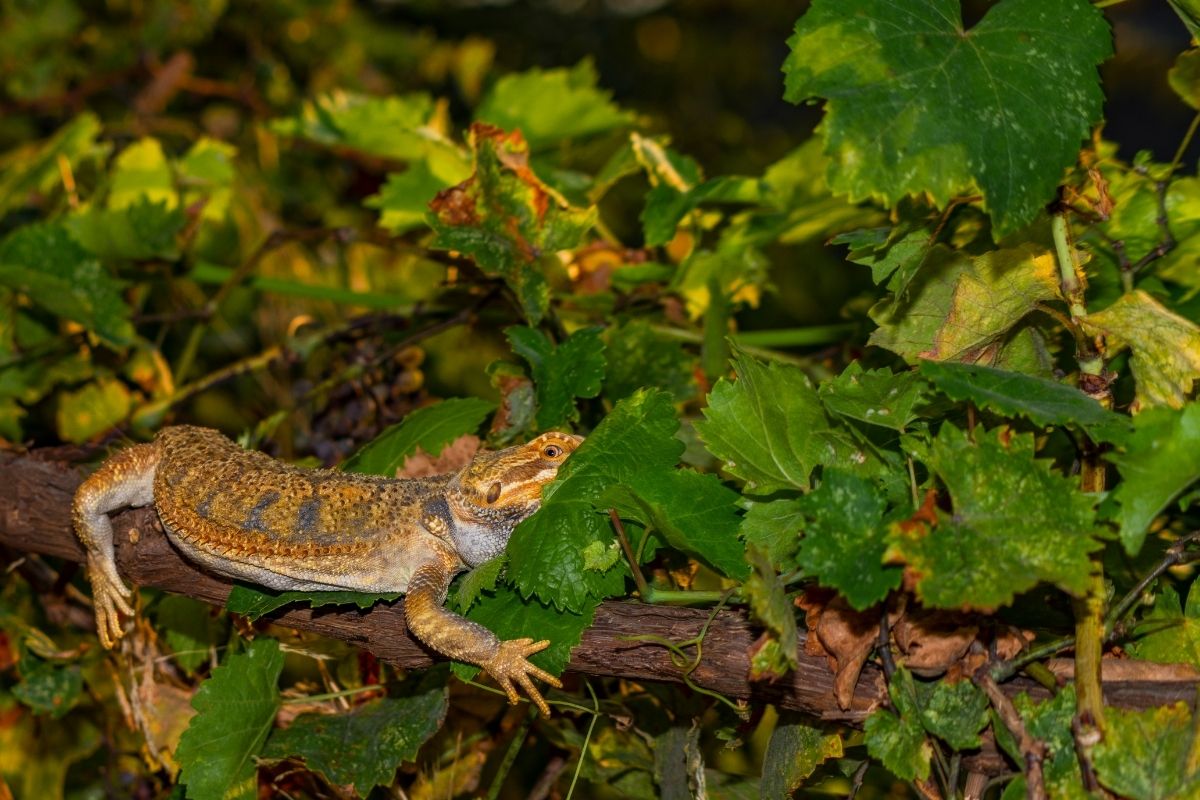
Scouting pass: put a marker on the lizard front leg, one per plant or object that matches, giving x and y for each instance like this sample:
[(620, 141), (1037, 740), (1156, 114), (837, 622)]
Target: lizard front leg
[(463, 640), (125, 479)]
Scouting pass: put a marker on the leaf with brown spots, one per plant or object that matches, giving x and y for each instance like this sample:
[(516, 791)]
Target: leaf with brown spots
[(506, 219)]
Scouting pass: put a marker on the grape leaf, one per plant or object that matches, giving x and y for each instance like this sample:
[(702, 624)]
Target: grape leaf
[(430, 428), (768, 427), (93, 408), (897, 737), (190, 629), (236, 708), (43, 262), (1050, 723), (546, 551), (638, 356), (774, 527), (562, 372), (695, 513), (769, 603), (878, 396), (505, 613), (891, 259), (404, 199), (1184, 77), (1012, 394), (1149, 755), (253, 602), (845, 538), (953, 712), (466, 590), (1016, 522), (1165, 347), (365, 745), (1157, 464), (48, 688), (794, 751), (507, 219), (37, 168), (1169, 634), (960, 309), (917, 104), (141, 172), (551, 105)]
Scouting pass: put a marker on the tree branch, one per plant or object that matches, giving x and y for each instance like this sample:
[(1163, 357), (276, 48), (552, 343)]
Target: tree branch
[(35, 502)]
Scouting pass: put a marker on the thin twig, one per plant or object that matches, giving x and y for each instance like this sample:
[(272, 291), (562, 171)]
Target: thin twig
[(1033, 751)]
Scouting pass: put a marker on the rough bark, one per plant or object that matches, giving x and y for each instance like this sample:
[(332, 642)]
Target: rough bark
[(35, 498)]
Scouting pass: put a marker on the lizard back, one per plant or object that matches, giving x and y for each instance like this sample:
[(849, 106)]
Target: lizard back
[(218, 497)]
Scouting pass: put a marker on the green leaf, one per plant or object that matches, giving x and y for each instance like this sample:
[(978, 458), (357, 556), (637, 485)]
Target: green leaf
[(953, 712), (144, 229), (1169, 634), (366, 744), (877, 396), (1050, 723), (49, 688), (1184, 77), (774, 527), (562, 372), (768, 427), (638, 356), (506, 219), (1165, 347), (1157, 464), (770, 604), (845, 539), (43, 262), (93, 409), (482, 578), (1012, 394), (236, 708), (190, 629), (404, 199), (897, 738), (917, 104), (207, 174), (546, 551), (37, 169), (889, 257), (505, 613), (1149, 755), (794, 751), (430, 428), (695, 513), (551, 105), (399, 127), (252, 602), (960, 309), (1016, 522)]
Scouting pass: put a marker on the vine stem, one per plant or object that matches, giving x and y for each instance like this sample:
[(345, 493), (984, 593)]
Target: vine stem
[(514, 749)]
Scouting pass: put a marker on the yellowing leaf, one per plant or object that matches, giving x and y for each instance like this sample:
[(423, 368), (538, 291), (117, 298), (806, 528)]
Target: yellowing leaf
[(142, 171), (93, 409), (957, 309), (1165, 347)]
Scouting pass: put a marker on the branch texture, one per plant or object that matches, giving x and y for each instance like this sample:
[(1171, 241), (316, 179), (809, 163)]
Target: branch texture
[(35, 497)]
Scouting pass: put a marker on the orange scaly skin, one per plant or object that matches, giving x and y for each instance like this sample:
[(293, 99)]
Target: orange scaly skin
[(245, 515)]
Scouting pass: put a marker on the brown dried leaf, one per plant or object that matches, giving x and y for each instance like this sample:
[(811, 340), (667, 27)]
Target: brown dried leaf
[(453, 457), (933, 641), (846, 636)]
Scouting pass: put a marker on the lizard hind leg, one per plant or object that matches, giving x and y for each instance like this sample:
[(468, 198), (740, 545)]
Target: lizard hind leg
[(125, 479)]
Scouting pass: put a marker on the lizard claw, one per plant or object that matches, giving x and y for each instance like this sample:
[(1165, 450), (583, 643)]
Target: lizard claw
[(111, 597), (510, 664)]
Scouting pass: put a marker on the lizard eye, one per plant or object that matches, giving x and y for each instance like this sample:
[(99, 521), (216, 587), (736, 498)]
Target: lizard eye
[(552, 451), (494, 492)]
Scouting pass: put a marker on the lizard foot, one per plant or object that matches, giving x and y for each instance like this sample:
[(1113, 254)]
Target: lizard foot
[(510, 664), (111, 597)]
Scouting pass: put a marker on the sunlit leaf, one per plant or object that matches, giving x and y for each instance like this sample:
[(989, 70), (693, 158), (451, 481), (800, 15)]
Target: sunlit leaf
[(1168, 633), (1149, 755), (916, 103), (1165, 347)]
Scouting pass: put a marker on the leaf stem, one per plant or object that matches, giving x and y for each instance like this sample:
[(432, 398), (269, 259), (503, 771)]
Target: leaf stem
[(514, 749), (638, 578), (586, 739), (1072, 287), (316, 698)]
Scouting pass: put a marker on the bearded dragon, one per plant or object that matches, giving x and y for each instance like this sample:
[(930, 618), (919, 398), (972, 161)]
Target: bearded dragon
[(242, 514)]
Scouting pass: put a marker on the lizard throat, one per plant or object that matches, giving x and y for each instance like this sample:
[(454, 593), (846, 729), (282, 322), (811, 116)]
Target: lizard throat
[(482, 534)]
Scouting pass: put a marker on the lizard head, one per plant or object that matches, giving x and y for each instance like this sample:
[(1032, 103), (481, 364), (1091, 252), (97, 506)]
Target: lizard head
[(497, 490)]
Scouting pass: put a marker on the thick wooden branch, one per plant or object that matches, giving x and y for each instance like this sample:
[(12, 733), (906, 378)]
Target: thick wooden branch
[(35, 498)]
